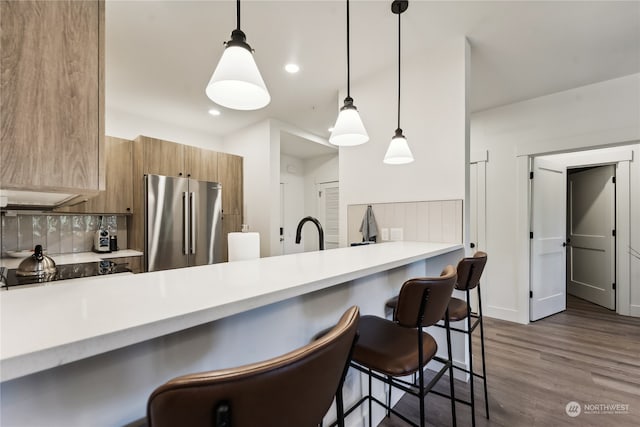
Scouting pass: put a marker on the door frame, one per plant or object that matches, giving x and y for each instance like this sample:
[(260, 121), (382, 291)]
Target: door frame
[(612, 245), (479, 158), (621, 157)]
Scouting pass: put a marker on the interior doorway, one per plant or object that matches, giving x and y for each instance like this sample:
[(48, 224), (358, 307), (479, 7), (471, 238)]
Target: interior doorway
[(591, 226), (549, 266)]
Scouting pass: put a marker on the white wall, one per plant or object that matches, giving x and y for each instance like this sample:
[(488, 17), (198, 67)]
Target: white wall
[(317, 170), (292, 176), (128, 126), (597, 115), (254, 144), (433, 120), (300, 178)]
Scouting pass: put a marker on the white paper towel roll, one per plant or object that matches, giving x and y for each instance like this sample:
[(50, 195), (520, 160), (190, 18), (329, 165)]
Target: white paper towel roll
[(243, 246)]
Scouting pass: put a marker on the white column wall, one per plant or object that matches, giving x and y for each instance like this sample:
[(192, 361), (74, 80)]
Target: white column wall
[(254, 144), (434, 122), (597, 115)]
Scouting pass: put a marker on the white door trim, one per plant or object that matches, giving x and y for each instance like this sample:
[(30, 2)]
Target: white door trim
[(621, 157)]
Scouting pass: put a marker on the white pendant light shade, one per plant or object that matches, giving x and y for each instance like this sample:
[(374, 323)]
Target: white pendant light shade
[(398, 152), (348, 130), (236, 82)]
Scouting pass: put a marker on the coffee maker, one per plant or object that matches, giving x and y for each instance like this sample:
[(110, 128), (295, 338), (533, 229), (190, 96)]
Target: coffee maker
[(101, 239)]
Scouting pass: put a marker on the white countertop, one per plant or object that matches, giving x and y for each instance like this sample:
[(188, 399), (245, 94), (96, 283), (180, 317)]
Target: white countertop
[(76, 258), (48, 326)]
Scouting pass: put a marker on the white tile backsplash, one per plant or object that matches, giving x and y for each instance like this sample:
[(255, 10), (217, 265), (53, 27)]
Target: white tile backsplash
[(423, 221), (58, 234)]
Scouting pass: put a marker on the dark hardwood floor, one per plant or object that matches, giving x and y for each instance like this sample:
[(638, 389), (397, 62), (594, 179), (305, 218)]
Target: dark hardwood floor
[(586, 354)]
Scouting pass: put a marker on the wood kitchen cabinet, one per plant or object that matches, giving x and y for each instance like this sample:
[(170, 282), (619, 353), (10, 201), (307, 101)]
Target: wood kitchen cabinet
[(159, 157), (52, 102), (230, 172), (201, 164), (118, 195)]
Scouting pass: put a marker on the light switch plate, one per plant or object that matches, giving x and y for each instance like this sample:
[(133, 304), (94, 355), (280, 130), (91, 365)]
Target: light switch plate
[(396, 234), (385, 234)]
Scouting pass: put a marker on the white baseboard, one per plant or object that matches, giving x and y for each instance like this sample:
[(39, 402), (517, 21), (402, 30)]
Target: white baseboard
[(501, 313)]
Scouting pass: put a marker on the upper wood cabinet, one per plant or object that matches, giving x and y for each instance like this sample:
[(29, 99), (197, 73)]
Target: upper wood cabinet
[(52, 102), (157, 157), (201, 164), (118, 195), (230, 174), (153, 156)]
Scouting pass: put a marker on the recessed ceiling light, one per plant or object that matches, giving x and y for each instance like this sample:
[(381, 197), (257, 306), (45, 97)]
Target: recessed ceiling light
[(214, 112), (331, 129), (291, 68)]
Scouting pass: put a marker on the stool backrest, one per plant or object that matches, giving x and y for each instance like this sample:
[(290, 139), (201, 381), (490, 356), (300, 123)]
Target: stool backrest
[(295, 389), (470, 270), (423, 301)]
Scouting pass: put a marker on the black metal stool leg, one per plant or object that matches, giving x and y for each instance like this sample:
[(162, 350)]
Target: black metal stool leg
[(339, 408), (421, 375), (389, 399), (370, 405), (470, 340), (484, 368), (450, 355)]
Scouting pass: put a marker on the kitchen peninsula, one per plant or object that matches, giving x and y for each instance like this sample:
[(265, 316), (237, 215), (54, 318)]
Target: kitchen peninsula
[(89, 352)]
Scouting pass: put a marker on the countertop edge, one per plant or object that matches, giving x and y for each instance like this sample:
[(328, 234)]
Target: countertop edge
[(25, 364)]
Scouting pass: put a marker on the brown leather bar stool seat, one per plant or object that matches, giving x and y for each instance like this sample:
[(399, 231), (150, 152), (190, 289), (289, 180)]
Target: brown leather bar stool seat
[(457, 310), (469, 272), (388, 350), (295, 389)]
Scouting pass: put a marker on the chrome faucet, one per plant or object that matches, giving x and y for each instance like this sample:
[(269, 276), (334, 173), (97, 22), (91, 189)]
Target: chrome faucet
[(318, 226)]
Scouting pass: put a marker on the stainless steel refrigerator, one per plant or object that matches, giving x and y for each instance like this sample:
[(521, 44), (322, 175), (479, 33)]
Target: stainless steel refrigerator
[(183, 222)]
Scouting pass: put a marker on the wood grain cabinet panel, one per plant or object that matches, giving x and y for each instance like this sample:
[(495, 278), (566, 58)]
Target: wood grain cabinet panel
[(230, 174), (52, 103), (201, 164), (118, 195), (162, 157), (158, 157)]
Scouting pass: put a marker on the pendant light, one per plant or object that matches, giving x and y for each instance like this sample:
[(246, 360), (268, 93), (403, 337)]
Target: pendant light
[(348, 130), (398, 152), (236, 82)]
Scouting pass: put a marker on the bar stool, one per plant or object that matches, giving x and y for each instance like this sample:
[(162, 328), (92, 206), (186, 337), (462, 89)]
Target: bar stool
[(387, 350), (294, 389), (469, 273)]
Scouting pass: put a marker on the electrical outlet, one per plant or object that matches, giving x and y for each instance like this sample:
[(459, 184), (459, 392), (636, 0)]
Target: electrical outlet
[(385, 234), (396, 234)]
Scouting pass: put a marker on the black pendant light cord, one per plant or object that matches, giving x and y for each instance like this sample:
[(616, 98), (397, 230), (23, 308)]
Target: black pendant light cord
[(348, 66), (399, 14), (238, 13)]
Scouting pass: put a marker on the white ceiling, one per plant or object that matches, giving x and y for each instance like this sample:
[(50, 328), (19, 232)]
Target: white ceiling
[(160, 54)]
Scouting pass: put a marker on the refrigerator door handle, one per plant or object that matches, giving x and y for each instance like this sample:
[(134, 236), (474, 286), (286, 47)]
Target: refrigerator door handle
[(192, 225), (185, 217)]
